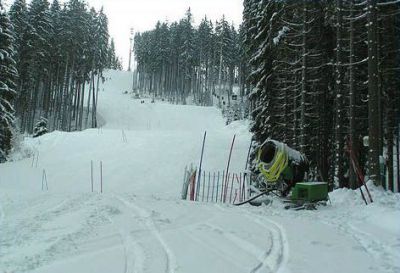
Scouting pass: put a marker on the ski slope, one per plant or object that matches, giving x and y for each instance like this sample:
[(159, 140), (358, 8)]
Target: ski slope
[(139, 224)]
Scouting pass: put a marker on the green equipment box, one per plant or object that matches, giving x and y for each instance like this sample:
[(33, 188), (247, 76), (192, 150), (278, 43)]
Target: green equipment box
[(310, 191)]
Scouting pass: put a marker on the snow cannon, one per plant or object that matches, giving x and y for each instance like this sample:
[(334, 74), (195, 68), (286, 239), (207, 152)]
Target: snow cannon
[(280, 166)]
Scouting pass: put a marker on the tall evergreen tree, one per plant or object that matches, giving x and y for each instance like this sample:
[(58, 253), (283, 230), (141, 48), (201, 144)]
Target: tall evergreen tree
[(293, 49), (178, 60), (8, 78)]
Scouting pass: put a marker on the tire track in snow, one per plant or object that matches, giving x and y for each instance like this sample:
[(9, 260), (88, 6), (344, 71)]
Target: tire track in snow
[(171, 263)]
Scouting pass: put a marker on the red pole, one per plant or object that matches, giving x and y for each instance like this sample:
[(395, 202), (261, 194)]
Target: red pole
[(236, 194), (226, 187), (230, 196), (222, 185), (243, 187), (229, 161), (240, 186), (201, 162)]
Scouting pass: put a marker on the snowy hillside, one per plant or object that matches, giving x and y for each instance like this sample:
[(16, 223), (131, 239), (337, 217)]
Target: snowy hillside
[(139, 223)]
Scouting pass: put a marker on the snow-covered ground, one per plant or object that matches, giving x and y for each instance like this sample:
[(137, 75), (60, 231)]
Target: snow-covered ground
[(139, 223)]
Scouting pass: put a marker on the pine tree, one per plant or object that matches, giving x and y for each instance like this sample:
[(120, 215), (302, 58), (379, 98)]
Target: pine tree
[(187, 53), (8, 78), (295, 98), (18, 16), (40, 127), (113, 61), (56, 54)]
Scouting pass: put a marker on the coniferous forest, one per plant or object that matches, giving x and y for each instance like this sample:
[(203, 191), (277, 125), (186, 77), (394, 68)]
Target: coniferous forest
[(321, 76), (176, 60), (52, 56)]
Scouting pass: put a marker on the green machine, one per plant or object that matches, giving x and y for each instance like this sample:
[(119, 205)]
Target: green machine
[(307, 195), (310, 191)]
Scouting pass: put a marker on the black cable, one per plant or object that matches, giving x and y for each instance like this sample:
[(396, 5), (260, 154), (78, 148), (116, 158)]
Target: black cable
[(252, 198)]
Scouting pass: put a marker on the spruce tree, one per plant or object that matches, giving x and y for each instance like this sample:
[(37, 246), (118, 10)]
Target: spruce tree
[(8, 79)]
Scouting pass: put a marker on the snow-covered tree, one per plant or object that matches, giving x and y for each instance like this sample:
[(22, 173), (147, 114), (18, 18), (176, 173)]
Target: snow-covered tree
[(59, 48), (8, 78), (321, 75), (177, 60), (40, 127)]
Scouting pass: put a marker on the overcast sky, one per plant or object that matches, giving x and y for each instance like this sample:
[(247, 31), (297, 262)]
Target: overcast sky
[(143, 15)]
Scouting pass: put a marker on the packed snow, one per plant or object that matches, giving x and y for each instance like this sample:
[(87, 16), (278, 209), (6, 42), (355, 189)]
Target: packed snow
[(140, 224)]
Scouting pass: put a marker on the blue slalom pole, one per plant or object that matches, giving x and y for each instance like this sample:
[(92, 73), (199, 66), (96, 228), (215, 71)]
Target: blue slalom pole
[(201, 162)]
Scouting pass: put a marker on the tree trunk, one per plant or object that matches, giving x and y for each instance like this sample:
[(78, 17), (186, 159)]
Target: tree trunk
[(340, 111), (304, 74), (352, 107), (373, 95)]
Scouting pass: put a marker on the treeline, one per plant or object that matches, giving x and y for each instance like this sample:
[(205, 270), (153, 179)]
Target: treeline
[(323, 75), (177, 60), (58, 53)]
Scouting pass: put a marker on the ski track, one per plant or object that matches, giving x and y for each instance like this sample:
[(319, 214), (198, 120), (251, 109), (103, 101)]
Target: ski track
[(377, 250), (133, 253), (230, 259), (248, 247), (31, 229), (236, 240), (171, 262), (276, 256)]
